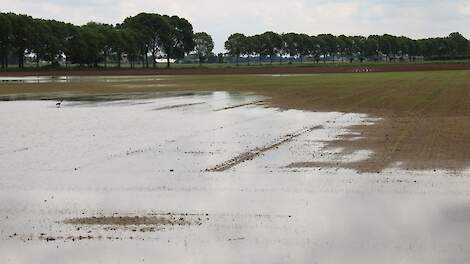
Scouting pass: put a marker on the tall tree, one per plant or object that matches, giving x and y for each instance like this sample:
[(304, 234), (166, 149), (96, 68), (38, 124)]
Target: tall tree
[(72, 43), (22, 35), (388, 45), (117, 43), (305, 46), (235, 45), (291, 41), (248, 48), (131, 46), (152, 32), (5, 38), (458, 43), (179, 40), (317, 47), (345, 45), (372, 46), (258, 46), (272, 44), (359, 47), (203, 46), (329, 46)]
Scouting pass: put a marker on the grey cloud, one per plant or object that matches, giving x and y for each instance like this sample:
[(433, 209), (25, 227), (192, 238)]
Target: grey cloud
[(414, 18)]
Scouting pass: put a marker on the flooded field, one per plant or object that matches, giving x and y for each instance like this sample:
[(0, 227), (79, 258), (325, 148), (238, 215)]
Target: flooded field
[(212, 177)]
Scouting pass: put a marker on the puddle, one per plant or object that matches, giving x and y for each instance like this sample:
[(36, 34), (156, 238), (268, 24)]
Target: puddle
[(94, 180), (65, 79)]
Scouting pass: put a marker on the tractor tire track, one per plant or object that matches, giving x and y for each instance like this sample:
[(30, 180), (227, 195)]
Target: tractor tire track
[(251, 154)]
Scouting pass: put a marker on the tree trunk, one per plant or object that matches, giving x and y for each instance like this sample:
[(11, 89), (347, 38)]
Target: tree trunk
[(154, 59), (20, 59), (168, 61), (143, 60), (248, 59), (237, 59), (146, 61), (119, 59)]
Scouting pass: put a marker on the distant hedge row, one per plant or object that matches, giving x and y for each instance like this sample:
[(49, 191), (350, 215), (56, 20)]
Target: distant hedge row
[(271, 44)]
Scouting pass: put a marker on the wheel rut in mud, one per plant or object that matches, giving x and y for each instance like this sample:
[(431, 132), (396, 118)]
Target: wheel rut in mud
[(251, 154)]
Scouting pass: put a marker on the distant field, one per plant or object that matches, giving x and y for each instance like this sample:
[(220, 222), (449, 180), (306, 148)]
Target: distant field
[(229, 69), (426, 115)]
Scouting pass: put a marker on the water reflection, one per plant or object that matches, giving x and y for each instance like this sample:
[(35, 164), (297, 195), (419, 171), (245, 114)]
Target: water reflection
[(120, 157), (65, 79)]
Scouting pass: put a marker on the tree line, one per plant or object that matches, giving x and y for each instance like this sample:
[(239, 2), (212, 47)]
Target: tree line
[(293, 45), (141, 38)]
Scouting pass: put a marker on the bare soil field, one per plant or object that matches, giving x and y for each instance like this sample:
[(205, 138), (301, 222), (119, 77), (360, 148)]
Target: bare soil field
[(243, 69)]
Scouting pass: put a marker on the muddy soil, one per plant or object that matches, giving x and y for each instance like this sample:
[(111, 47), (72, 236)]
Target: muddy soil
[(162, 220)]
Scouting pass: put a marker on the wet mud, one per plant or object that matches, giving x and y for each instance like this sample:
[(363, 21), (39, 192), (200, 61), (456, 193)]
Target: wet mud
[(162, 220)]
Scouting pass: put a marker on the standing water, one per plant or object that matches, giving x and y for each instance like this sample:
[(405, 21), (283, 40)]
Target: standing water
[(205, 178)]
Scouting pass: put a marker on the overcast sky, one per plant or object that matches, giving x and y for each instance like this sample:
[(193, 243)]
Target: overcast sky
[(414, 18)]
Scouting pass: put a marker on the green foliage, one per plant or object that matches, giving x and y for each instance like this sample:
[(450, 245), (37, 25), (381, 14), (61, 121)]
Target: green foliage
[(147, 37), (180, 40), (138, 37), (203, 45), (329, 47), (237, 44), (271, 44), (5, 34)]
